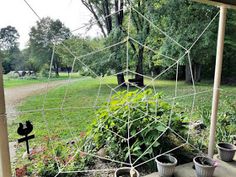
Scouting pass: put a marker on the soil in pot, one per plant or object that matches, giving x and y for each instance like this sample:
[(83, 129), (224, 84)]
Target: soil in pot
[(205, 161), (166, 165), (226, 151), (204, 166), (165, 160), (125, 172), (124, 175)]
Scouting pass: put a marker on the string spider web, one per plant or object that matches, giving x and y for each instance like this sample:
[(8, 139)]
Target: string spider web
[(150, 81)]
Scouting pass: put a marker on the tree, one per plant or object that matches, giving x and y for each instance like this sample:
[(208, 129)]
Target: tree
[(141, 33), (43, 36), (8, 38), (229, 64), (98, 64), (13, 60), (30, 62), (185, 20), (182, 20), (9, 50), (79, 46), (102, 12), (113, 28)]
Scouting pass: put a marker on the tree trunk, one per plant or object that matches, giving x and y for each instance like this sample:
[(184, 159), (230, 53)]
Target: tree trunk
[(196, 73), (121, 79), (119, 21), (188, 78), (89, 6), (68, 70), (56, 68), (139, 68), (107, 13), (57, 71), (104, 9)]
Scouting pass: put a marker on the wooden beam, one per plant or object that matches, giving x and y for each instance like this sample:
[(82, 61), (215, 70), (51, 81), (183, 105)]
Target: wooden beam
[(217, 79), (5, 165), (223, 4), (229, 3)]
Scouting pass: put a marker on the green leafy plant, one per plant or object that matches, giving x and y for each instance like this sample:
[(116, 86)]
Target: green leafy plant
[(226, 124), (136, 120), (226, 127)]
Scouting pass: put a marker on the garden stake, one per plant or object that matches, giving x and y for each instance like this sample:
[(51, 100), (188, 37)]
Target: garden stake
[(25, 130)]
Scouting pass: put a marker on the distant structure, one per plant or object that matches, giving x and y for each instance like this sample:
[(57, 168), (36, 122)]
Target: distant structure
[(25, 73)]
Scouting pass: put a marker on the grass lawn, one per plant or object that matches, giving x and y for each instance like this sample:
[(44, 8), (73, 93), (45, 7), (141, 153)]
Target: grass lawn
[(15, 82), (69, 110), (8, 83)]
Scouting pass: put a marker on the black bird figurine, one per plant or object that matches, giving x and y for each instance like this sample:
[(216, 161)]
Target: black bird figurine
[(29, 127), (26, 129), (20, 129)]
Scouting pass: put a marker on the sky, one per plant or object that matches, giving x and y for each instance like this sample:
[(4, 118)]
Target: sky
[(71, 12)]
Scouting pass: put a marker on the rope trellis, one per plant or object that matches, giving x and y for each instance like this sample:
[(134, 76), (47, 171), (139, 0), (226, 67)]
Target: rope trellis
[(114, 90)]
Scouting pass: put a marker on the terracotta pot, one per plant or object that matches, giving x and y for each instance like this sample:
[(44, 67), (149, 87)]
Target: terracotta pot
[(204, 166), (125, 172), (166, 165), (226, 151)]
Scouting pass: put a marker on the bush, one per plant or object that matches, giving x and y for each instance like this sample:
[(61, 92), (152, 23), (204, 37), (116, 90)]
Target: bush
[(12, 75), (148, 116), (145, 115), (44, 72), (226, 127), (226, 124)]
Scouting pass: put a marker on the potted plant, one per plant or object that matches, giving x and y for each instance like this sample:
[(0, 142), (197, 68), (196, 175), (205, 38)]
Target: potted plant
[(226, 151), (204, 166), (166, 165), (127, 172)]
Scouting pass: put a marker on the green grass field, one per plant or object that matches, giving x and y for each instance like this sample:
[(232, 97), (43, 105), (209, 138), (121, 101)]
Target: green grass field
[(15, 82), (9, 83), (69, 109), (64, 113)]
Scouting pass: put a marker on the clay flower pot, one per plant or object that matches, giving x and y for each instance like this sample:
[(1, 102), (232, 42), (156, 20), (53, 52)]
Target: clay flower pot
[(204, 166), (166, 165), (127, 172), (226, 151)]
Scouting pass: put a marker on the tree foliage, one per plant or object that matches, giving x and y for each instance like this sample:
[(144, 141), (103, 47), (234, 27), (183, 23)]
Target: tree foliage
[(86, 62), (114, 26), (43, 36), (8, 38), (184, 21), (12, 58), (181, 20), (110, 24)]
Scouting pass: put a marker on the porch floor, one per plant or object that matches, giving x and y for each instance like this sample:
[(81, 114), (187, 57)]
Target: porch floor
[(223, 170)]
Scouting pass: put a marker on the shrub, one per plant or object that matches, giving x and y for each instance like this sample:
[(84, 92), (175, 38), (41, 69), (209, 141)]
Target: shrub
[(226, 131), (142, 116), (145, 115), (32, 77), (226, 127), (44, 72), (12, 75)]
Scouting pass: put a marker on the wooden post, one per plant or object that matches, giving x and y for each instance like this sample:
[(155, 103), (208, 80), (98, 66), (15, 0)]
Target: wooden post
[(217, 80), (5, 164)]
